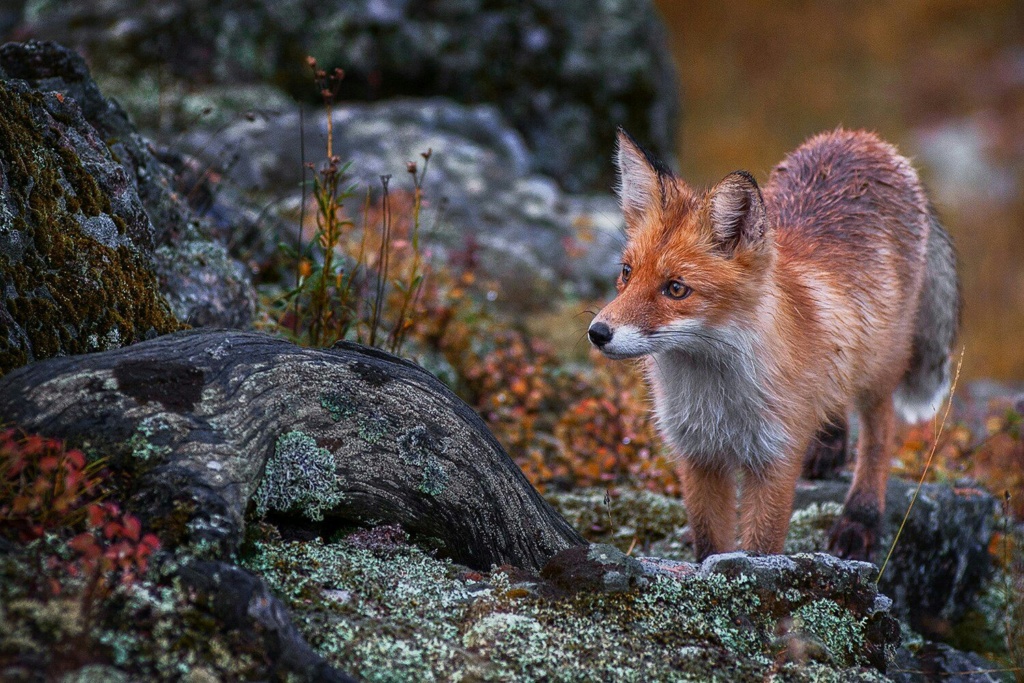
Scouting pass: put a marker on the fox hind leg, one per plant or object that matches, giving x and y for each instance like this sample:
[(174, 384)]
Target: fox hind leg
[(710, 497), (856, 533), (827, 452)]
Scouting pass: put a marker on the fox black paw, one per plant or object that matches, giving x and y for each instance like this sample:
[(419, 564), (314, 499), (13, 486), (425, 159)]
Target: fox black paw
[(855, 534)]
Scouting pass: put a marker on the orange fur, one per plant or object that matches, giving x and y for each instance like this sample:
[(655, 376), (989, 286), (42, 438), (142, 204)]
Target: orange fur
[(800, 303)]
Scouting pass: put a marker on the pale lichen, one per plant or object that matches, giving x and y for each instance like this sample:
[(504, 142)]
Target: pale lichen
[(408, 616), (299, 477), (141, 440), (416, 448), (833, 626)]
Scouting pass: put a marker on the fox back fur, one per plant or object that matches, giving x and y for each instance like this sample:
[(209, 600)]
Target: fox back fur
[(766, 314)]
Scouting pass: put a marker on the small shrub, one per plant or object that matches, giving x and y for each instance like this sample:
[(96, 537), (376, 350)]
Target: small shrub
[(48, 492), (355, 282), (43, 486)]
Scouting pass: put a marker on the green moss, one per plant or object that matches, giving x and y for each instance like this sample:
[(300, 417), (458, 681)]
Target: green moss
[(631, 518), (653, 523), (809, 527), (69, 292), (299, 477)]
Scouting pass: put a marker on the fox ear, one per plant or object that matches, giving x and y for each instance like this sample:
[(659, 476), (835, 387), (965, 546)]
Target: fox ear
[(738, 216), (641, 176)]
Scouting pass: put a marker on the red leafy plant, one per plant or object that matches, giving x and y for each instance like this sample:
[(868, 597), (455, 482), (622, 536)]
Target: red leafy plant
[(47, 489), (43, 486), (113, 549)]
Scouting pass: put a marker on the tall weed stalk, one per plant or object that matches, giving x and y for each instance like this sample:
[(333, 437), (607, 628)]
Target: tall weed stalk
[(352, 283)]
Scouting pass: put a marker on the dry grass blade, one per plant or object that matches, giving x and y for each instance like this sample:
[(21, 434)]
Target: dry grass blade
[(927, 465)]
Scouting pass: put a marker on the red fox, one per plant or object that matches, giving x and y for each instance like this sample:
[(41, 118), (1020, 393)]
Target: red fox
[(764, 316)]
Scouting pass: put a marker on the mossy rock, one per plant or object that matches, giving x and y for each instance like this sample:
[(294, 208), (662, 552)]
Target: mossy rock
[(75, 261), (98, 247)]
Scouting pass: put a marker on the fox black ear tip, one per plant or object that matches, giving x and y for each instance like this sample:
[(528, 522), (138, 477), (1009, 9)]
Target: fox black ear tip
[(746, 177)]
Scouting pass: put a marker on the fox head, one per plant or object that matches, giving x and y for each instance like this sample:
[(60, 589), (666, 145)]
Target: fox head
[(695, 264)]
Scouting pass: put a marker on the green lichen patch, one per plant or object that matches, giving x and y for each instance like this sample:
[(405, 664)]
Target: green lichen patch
[(652, 523), (68, 288), (372, 428), (416, 447), (337, 404), (835, 627), (809, 527), (300, 477), (141, 440), (399, 615)]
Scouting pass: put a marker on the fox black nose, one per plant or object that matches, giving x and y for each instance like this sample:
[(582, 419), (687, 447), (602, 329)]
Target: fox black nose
[(600, 334)]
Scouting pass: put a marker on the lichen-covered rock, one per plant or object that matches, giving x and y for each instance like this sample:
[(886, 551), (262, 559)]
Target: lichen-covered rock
[(933, 576), (929, 661), (75, 258), (299, 476), (596, 568), (189, 421), (564, 73), (92, 233), (941, 558), (180, 620), (485, 204), (397, 614), (631, 517)]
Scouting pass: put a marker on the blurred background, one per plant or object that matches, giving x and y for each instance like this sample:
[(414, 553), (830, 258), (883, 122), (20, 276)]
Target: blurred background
[(943, 79)]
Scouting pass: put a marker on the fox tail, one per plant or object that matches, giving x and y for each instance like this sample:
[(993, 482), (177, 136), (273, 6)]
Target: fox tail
[(936, 325)]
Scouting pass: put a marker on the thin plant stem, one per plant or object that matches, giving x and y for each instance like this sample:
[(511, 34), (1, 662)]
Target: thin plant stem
[(382, 259), (302, 216), (928, 463)]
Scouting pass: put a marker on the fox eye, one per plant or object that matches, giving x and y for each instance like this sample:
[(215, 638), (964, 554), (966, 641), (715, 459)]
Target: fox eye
[(626, 272), (677, 290)]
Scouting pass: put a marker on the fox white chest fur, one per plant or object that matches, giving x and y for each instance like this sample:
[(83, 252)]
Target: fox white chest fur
[(711, 404)]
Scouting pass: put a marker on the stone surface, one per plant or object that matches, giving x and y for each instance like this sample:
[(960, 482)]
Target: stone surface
[(941, 558), (934, 575), (396, 613), (595, 568), (76, 245), (106, 179), (245, 604), (937, 662), (564, 73), (484, 203)]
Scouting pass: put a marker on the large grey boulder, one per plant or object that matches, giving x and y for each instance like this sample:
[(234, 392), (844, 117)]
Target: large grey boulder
[(482, 197)]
